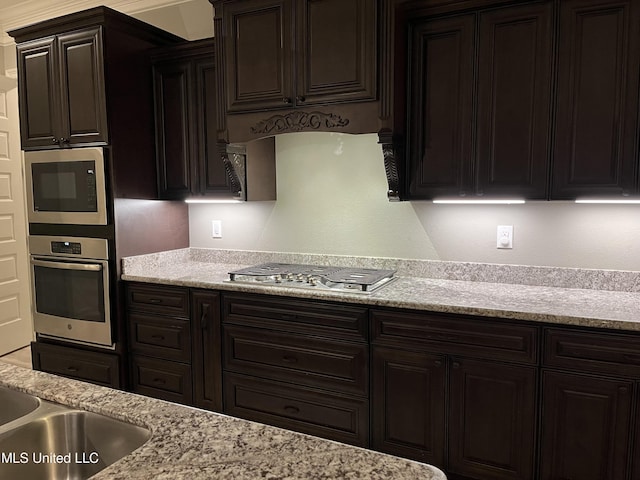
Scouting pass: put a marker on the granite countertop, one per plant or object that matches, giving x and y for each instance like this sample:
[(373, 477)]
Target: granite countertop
[(592, 298), (188, 443)]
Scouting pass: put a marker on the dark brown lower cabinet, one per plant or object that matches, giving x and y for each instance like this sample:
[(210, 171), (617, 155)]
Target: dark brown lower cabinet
[(162, 379), (408, 404), (207, 348), (492, 420), (586, 428), (94, 367)]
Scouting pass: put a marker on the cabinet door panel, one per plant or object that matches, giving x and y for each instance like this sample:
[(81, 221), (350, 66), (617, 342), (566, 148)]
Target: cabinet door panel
[(173, 138), (440, 103), (408, 404), (514, 98), (39, 99), (586, 427), (207, 350), (595, 149), (258, 48), (492, 420), (337, 51), (84, 113)]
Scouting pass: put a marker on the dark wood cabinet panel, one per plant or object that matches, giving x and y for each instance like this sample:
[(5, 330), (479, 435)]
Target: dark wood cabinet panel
[(161, 379), (595, 151), (492, 421), (94, 367), (164, 300), (586, 427), (39, 108), (167, 338), (440, 104), (84, 105), (317, 412), (408, 393), (258, 45), (514, 101), (207, 349), (336, 44), (479, 101)]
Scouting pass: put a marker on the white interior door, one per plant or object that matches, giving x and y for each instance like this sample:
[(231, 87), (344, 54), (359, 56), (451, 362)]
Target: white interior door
[(16, 325)]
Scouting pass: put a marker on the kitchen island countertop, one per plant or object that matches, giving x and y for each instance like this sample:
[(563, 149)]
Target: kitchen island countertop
[(188, 443), (609, 307)]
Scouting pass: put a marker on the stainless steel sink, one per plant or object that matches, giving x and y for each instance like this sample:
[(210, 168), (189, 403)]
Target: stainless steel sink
[(58, 443), (14, 404)]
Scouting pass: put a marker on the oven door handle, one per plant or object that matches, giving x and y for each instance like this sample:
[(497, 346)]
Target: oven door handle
[(90, 267)]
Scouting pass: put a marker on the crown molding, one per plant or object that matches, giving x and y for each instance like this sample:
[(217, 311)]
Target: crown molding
[(33, 11)]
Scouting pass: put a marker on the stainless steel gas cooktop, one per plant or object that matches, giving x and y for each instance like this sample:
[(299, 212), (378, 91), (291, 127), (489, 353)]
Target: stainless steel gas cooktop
[(364, 280)]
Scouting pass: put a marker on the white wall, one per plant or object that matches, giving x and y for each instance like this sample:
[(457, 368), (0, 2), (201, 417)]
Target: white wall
[(332, 199)]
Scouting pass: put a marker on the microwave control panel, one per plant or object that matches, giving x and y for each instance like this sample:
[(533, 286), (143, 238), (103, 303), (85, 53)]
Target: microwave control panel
[(74, 248)]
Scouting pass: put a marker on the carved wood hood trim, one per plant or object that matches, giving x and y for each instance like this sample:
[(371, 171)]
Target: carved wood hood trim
[(299, 121)]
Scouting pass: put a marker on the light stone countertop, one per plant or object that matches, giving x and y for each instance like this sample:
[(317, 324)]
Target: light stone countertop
[(604, 299), (192, 444)]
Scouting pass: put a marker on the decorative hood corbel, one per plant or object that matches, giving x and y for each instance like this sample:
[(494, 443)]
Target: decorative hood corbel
[(251, 169)]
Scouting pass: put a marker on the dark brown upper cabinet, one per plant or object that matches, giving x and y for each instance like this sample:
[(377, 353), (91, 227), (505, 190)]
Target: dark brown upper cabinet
[(596, 148), (62, 90), (479, 103), (185, 119), (284, 53)]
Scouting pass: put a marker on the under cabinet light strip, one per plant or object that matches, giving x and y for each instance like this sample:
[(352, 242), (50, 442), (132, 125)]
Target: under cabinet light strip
[(211, 200), (480, 202), (610, 201)]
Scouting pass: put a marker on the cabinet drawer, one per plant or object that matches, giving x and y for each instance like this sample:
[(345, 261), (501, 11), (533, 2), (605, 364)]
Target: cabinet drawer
[(602, 352), (172, 301), (161, 379), (306, 410), (94, 367), (316, 362), (297, 316), (456, 335), (167, 338)]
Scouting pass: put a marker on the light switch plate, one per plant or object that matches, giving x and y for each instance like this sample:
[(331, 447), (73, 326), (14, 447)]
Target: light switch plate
[(216, 228)]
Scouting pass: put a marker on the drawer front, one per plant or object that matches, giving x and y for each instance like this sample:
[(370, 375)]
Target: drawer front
[(297, 316), (172, 301), (315, 362), (161, 379), (454, 334), (602, 352), (161, 337), (94, 367), (306, 410)]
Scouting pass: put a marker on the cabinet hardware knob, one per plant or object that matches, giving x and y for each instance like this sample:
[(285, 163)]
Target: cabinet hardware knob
[(157, 337), (155, 300), (64, 140), (291, 409), (56, 141), (286, 100), (456, 364), (72, 369), (438, 363), (300, 98), (159, 381)]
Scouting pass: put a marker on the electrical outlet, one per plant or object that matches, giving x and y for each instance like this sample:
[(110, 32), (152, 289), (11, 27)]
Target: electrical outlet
[(505, 236), (216, 228)]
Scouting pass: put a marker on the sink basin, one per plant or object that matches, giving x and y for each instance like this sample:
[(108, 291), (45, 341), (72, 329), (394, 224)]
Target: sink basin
[(14, 404), (67, 445)]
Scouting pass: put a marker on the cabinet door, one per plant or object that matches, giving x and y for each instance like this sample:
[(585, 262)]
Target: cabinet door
[(83, 101), (207, 349), (39, 100), (514, 101), (408, 404), (258, 48), (586, 424), (213, 178), (172, 82), (440, 106), (595, 148), (336, 47), (492, 420)]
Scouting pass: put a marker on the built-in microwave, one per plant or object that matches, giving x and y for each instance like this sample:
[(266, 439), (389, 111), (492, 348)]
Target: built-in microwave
[(66, 186)]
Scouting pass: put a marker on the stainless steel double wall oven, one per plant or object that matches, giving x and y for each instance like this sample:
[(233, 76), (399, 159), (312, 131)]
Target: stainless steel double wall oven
[(71, 265)]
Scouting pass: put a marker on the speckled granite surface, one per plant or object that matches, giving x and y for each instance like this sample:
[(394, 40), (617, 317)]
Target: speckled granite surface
[(188, 443), (594, 298)]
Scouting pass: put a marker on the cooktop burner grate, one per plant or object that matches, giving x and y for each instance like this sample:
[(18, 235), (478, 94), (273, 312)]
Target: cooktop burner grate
[(314, 276)]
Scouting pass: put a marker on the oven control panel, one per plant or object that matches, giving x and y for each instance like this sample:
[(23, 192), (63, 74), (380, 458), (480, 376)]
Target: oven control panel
[(74, 248)]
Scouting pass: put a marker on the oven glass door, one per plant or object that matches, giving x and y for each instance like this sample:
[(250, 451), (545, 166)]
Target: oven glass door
[(72, 299)]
